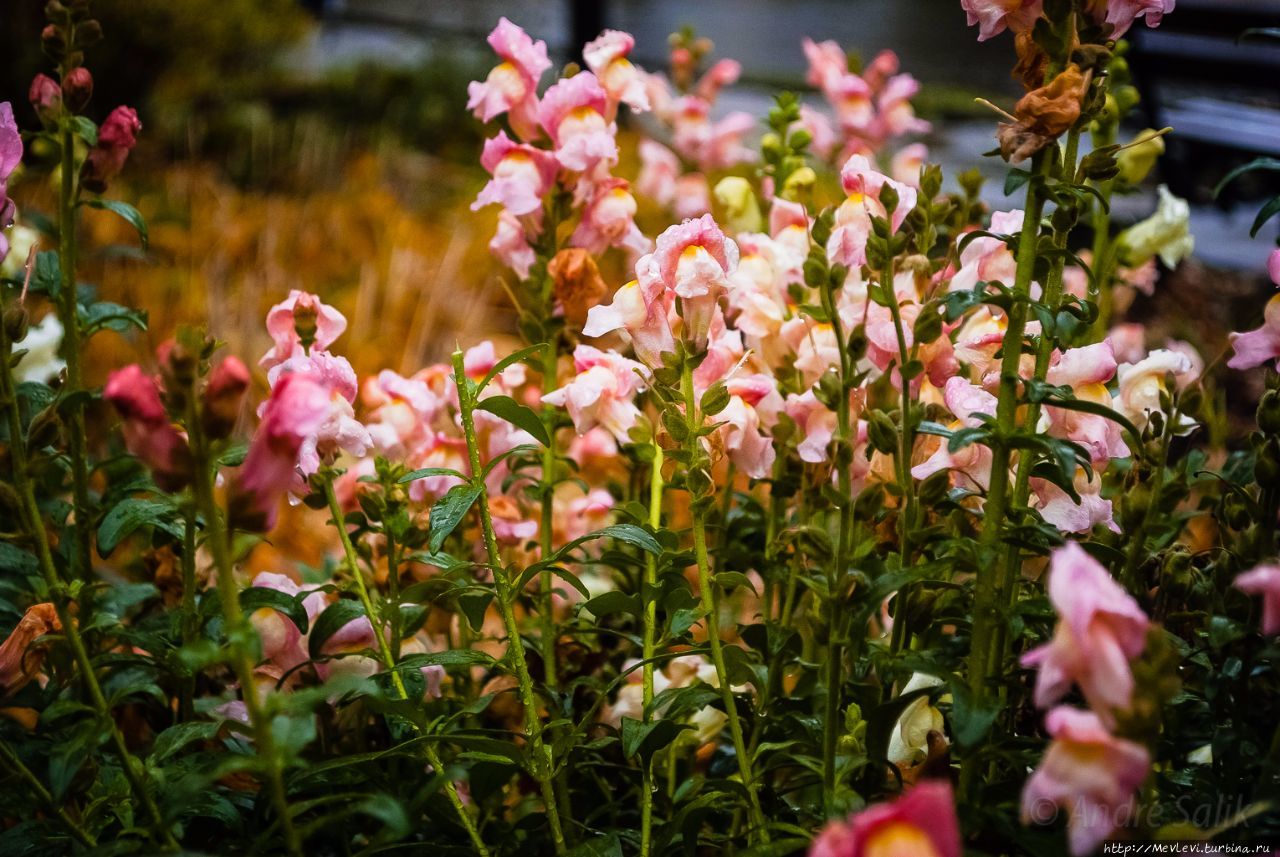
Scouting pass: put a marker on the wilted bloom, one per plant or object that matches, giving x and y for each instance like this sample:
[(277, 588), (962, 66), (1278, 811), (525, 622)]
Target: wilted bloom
[(148, 432), (608, 220), (18, 664), (572, 113), (1166, 233), (522, 175), (921, 823), (512, 85), (1100, 629), (301, 321), (1265, 581), (606, 56), (295, 411), (1089, 773), (42, 345), (116, 138), (602, 393), (994, 16), (1043, 114), (1255, 347)]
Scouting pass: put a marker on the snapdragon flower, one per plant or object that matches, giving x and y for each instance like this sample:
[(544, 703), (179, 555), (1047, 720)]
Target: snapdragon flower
[(522, 175), (606, 56), (1100, 629), (306, 312), (572, 112), (512, 85), (863, 185), (10, 157), (993, 17), (1264, 580), (922, 823), (602, 393), (148, 432)]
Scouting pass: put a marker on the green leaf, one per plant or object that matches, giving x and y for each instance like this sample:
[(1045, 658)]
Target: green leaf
[(1270, 210), (613, 601), (1014, 180), (631, 534), (126, 212), (104, 315), (256, 597), (424, 472), (46, 278), (128, 515), (15, 560), (84, 128), (176, 737), (1265, 164), (328, 623), (971, 718), (510, 360), (449, 510), (474, 605), (644, 739), (449, 658), (520, 416)]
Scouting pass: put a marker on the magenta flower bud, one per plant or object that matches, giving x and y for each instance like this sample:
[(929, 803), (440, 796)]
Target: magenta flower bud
[(77, 88), (46, 98), (116, 137), (148, 432)]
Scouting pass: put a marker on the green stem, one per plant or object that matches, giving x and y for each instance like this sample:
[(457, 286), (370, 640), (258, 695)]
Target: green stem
[(710, 605), (238, 630), (907, 441), (14, 763), (547, 490), (190, 616), (388, 658), (1138, 538), (1045, 347), (543, 764), (133, 771), (986, 611), (650, 637), (69, 314), (1103, 245)]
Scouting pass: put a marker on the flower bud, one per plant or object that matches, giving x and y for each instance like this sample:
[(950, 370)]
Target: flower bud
[(1269, 413), (77, 88), (799, 184), (222, 397), (304, 323), (738, 206), (116, 138), (1136, 162), (46, 99), (88, 34), (53, 41), (16, 322)]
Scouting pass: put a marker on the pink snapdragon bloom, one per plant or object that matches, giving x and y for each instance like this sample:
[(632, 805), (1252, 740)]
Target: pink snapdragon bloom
[(510, 245), (907, 162), (710, 145), (994, 16), (116, 138), (45, 96), (602, 393), (283, 321), (512, 86), (723, 72), (1141, 383), (827, 63), (572, 113), (695, 259), (1086, 370), (970, 465), (609, 220), (1057, 507), (1088, 772), (640, 311), (816, 422), (402, 412), (986, 259), (1273, 266), (693, 196), (1261, 345), (296, 409), (606, 56), (10, 157), (921, 823), (1100, 629), (659, 169), (1121, 14), (883, 349), (822, 133), (440, 450), (522, 175), (863, 184), (283, 646), (148, 432), (753, 409), (895, 116), (1265, 581)]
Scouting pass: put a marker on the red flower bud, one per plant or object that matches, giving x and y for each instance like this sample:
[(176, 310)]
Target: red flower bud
[(46, 98), (116, 138), (77, 88)]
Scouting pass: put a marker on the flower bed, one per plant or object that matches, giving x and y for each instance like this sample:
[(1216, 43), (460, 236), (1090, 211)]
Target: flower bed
[(859, 522)]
